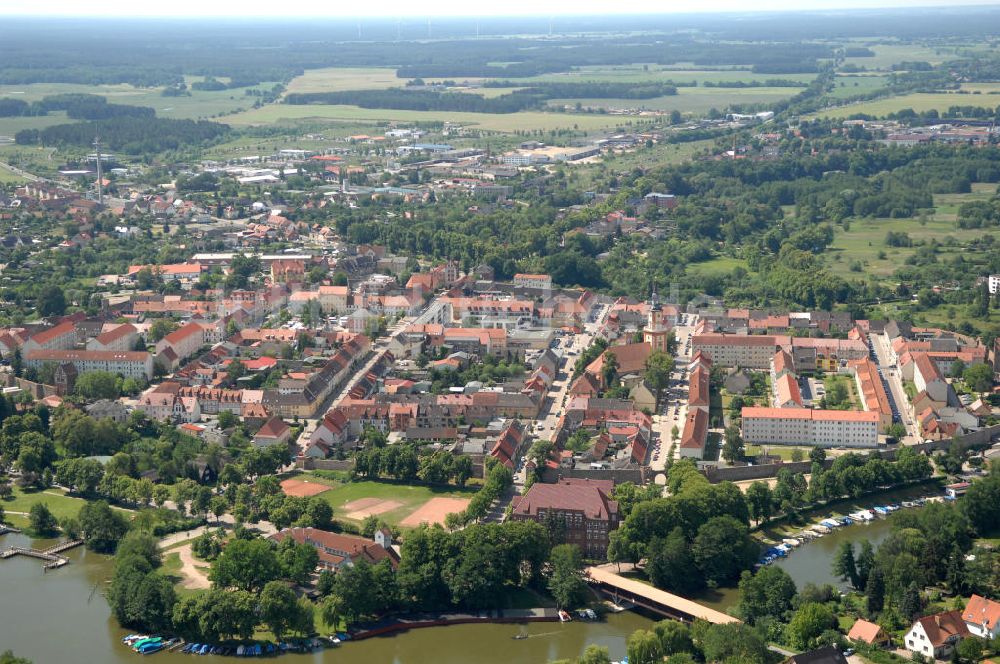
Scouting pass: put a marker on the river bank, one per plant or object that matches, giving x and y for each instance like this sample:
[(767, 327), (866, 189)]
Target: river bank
[(63, 616)]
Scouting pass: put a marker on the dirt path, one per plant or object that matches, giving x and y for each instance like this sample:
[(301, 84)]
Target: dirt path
[(192, 577)]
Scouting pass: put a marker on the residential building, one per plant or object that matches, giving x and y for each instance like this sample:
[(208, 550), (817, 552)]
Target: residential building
[(730, 350), (274, 432), (804, 426), (132, 364), (539, 281), (59, 337), (584, 507), (982, 617), (787, 393), (935, 636), (338, 551), (184, 341), (119, 338), (695, 434), (868, 633)]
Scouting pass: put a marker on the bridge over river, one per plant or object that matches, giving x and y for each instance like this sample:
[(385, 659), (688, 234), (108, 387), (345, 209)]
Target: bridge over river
[(653, 599)]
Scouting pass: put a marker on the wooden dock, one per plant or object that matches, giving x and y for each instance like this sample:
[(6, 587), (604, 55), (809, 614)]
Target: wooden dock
[(4, 529), (51, 555)]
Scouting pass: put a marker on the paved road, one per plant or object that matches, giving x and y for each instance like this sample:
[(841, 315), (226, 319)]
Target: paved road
[(673, 408), (883, 352)]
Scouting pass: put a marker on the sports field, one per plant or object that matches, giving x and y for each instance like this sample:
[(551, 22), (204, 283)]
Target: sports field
[(397, 504)]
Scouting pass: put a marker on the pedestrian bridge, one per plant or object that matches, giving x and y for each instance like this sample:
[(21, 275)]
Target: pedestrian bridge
[(653, 599)]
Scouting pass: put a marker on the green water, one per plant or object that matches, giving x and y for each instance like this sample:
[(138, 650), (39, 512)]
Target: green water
[(61, 617)]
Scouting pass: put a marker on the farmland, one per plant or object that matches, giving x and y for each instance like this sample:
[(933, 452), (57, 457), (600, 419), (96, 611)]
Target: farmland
[(690, 100), (503, 122), (918, 101)]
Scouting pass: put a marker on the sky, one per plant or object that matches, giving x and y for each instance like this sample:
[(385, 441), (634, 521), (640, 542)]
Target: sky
[(424, 8)]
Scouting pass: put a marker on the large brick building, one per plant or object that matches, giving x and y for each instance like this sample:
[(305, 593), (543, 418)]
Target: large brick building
[(584, 509)]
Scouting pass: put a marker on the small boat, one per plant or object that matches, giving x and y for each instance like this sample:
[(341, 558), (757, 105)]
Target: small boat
[(846, 520), (204, 649), (821, 528), (830, 523), (240, 650), (343, 636), (909, 503), (144, 641), (564, 616), (519, 637), (151, 648), (880, 510), (792, 542)]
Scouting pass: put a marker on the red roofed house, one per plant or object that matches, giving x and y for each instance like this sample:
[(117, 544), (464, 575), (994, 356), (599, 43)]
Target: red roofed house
[(183, 341), (274, 432), (337, 551), (869, 633), (982, 617), (585, 505), (935, 636), (695, 434), (287, 269)]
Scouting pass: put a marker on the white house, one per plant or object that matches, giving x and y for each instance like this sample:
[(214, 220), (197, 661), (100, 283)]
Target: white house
[(935, 636), (982, 617)]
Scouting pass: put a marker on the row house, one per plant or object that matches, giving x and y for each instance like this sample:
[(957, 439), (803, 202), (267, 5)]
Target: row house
[(58, 337), (118, 338)]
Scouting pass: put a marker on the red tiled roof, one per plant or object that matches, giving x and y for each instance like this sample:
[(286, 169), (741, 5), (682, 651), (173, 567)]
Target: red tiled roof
[(53, 333), (335, 548), (982, 611), (942, 626), (592, 497)]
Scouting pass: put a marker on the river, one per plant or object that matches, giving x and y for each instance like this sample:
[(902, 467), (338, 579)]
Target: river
[(61, 617)]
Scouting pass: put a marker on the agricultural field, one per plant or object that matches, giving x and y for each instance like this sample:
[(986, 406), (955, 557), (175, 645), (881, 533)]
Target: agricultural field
[(200, 105), (887, 55), (638, 73), (502, 122), (397, 504), (850, 86), (918, 101), (337, 79), (864, 244), (690, 100)]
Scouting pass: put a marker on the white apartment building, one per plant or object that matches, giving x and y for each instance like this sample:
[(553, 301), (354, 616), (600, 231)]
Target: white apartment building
[(804, 426), (132, 364)]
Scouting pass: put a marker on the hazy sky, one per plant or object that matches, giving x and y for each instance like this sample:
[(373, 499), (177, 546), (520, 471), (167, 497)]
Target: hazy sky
[(421, 8)]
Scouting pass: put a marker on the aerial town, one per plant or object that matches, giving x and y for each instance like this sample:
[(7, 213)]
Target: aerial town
[(689, 384)]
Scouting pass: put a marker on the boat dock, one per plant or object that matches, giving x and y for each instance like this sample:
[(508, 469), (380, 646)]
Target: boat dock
[(51, 555), (4, 529)]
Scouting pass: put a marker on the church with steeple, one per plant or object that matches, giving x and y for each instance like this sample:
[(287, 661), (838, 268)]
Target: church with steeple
[(657, 330)]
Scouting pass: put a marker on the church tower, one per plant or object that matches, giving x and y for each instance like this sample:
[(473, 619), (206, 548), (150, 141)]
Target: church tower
[(657, 330)]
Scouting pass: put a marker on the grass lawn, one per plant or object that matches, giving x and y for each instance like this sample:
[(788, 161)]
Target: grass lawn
[(783, 451), (717, 266), (863, 246), (504, 122), (887, 55), (10, 177), (410, 497), (852, 395), (61, 505)]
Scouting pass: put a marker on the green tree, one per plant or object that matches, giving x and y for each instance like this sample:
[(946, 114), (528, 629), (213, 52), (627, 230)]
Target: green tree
[(246, 564), (643, 647), (566, 583), (768, 593), (979, 377), (760, 501), (593, 654), (808, 623), (95, 385), (42, 522), (723, 548), (732, 448), (732, 642), (7, 657), (278, 606), (675, 637), (657, 370), (141, 544), (51, 301), (875, 592), (845, 566), (102, 527), (669, 563)]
